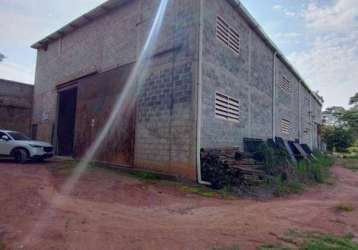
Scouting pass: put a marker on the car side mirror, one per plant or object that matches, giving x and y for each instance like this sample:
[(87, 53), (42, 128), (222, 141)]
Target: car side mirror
[(5, 138)]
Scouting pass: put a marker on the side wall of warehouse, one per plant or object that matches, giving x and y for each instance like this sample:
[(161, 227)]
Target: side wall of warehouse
[(282, 109), (16, 106), (165, 112)]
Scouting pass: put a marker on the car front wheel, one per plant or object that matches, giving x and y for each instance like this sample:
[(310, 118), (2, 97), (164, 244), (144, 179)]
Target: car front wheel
[(20, 155)]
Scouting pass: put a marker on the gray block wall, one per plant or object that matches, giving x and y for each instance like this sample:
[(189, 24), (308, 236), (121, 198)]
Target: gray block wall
[(249, 77), (165, 127), (165, 132), (287, 102), (106, 43), (246, 77)]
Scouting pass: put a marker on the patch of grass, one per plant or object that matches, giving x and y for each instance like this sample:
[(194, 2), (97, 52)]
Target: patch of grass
[(201, 191), (329, 242), (316, 170), (314, 241), (284, 188), (146, 176), (344, 208), (225, 193), (306, 172)]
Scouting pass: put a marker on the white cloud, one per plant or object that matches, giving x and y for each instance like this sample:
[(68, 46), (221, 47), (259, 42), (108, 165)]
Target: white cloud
[(330, 64), (340, 16), (286, 12), (16, 72)]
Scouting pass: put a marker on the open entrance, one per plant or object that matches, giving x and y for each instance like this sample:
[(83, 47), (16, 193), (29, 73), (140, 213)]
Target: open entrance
[(66, 121)]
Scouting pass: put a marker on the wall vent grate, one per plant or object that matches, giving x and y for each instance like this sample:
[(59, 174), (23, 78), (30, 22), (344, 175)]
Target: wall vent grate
[(285, 126), (227, 107), (228, 35)]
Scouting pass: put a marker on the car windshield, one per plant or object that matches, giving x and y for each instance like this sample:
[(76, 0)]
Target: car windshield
[(19, 136)]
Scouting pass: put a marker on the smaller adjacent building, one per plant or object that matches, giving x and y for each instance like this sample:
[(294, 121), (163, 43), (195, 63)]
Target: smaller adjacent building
[(16, 106)]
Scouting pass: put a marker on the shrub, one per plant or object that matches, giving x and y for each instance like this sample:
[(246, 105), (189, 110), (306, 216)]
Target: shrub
[(316, 170)]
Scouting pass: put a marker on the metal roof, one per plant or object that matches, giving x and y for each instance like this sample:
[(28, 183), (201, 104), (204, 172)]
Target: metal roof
[(83, 20), (110, 5)]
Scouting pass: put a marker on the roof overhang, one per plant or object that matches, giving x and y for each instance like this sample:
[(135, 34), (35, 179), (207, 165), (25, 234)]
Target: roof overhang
[(83, 20)]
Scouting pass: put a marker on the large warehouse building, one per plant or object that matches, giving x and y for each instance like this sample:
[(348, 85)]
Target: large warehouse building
[(215, 78)]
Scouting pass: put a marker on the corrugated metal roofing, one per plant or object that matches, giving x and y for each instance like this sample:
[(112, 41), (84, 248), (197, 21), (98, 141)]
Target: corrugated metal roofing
[(110, 5)]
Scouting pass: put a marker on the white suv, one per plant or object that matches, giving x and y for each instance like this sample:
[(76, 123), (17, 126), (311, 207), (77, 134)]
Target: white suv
[(22, 148)]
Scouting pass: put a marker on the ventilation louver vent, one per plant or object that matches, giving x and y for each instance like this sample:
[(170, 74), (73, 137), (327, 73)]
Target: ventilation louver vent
[(228, 35), (285, 126), (285, 84), (227, 107)]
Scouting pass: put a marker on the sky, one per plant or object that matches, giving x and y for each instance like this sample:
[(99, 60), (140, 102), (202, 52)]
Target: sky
[(319, 37)]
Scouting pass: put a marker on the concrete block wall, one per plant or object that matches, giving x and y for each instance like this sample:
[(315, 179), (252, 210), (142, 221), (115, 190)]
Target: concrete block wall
[(16, 106), (287, 102), (165, 132), (106, 43), (165, 124), (249, 77)]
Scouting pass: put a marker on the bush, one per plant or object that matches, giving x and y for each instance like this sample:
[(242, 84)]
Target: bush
[(316, 170), (337, 138), (283, 188)]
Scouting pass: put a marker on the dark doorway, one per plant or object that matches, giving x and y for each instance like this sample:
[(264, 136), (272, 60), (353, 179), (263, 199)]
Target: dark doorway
[(66, 121)]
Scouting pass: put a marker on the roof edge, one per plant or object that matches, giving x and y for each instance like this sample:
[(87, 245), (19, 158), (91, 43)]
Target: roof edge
[(16, 82), (79, 22)]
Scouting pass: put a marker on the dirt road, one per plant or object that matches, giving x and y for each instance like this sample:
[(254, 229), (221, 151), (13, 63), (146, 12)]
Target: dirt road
[(111, 211)]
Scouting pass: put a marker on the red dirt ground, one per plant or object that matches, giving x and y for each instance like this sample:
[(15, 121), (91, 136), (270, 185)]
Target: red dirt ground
[(111, 211)]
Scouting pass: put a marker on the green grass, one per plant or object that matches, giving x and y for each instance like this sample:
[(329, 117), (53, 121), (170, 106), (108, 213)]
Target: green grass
[(313, 241), (201, 191), (307, 172), (146, 176), (284, 188), (329, 242), (206, 192), (316, 170), (344, 208)]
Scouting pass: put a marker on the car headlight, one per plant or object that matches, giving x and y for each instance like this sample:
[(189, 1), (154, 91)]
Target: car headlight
[(35, 146)]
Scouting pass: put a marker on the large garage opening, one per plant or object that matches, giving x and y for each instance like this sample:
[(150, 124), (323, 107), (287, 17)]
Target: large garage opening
[(66, 121)]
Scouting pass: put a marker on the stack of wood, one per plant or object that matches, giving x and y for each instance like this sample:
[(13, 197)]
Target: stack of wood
[(229, 166)]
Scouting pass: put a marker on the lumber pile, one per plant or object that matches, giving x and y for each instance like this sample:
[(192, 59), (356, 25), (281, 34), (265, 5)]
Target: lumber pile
[(229, 166)]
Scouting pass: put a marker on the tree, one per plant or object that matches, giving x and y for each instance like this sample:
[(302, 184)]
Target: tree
[(335, 110), (2, 57), (333, 114), (337, 138), (354, 100)]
